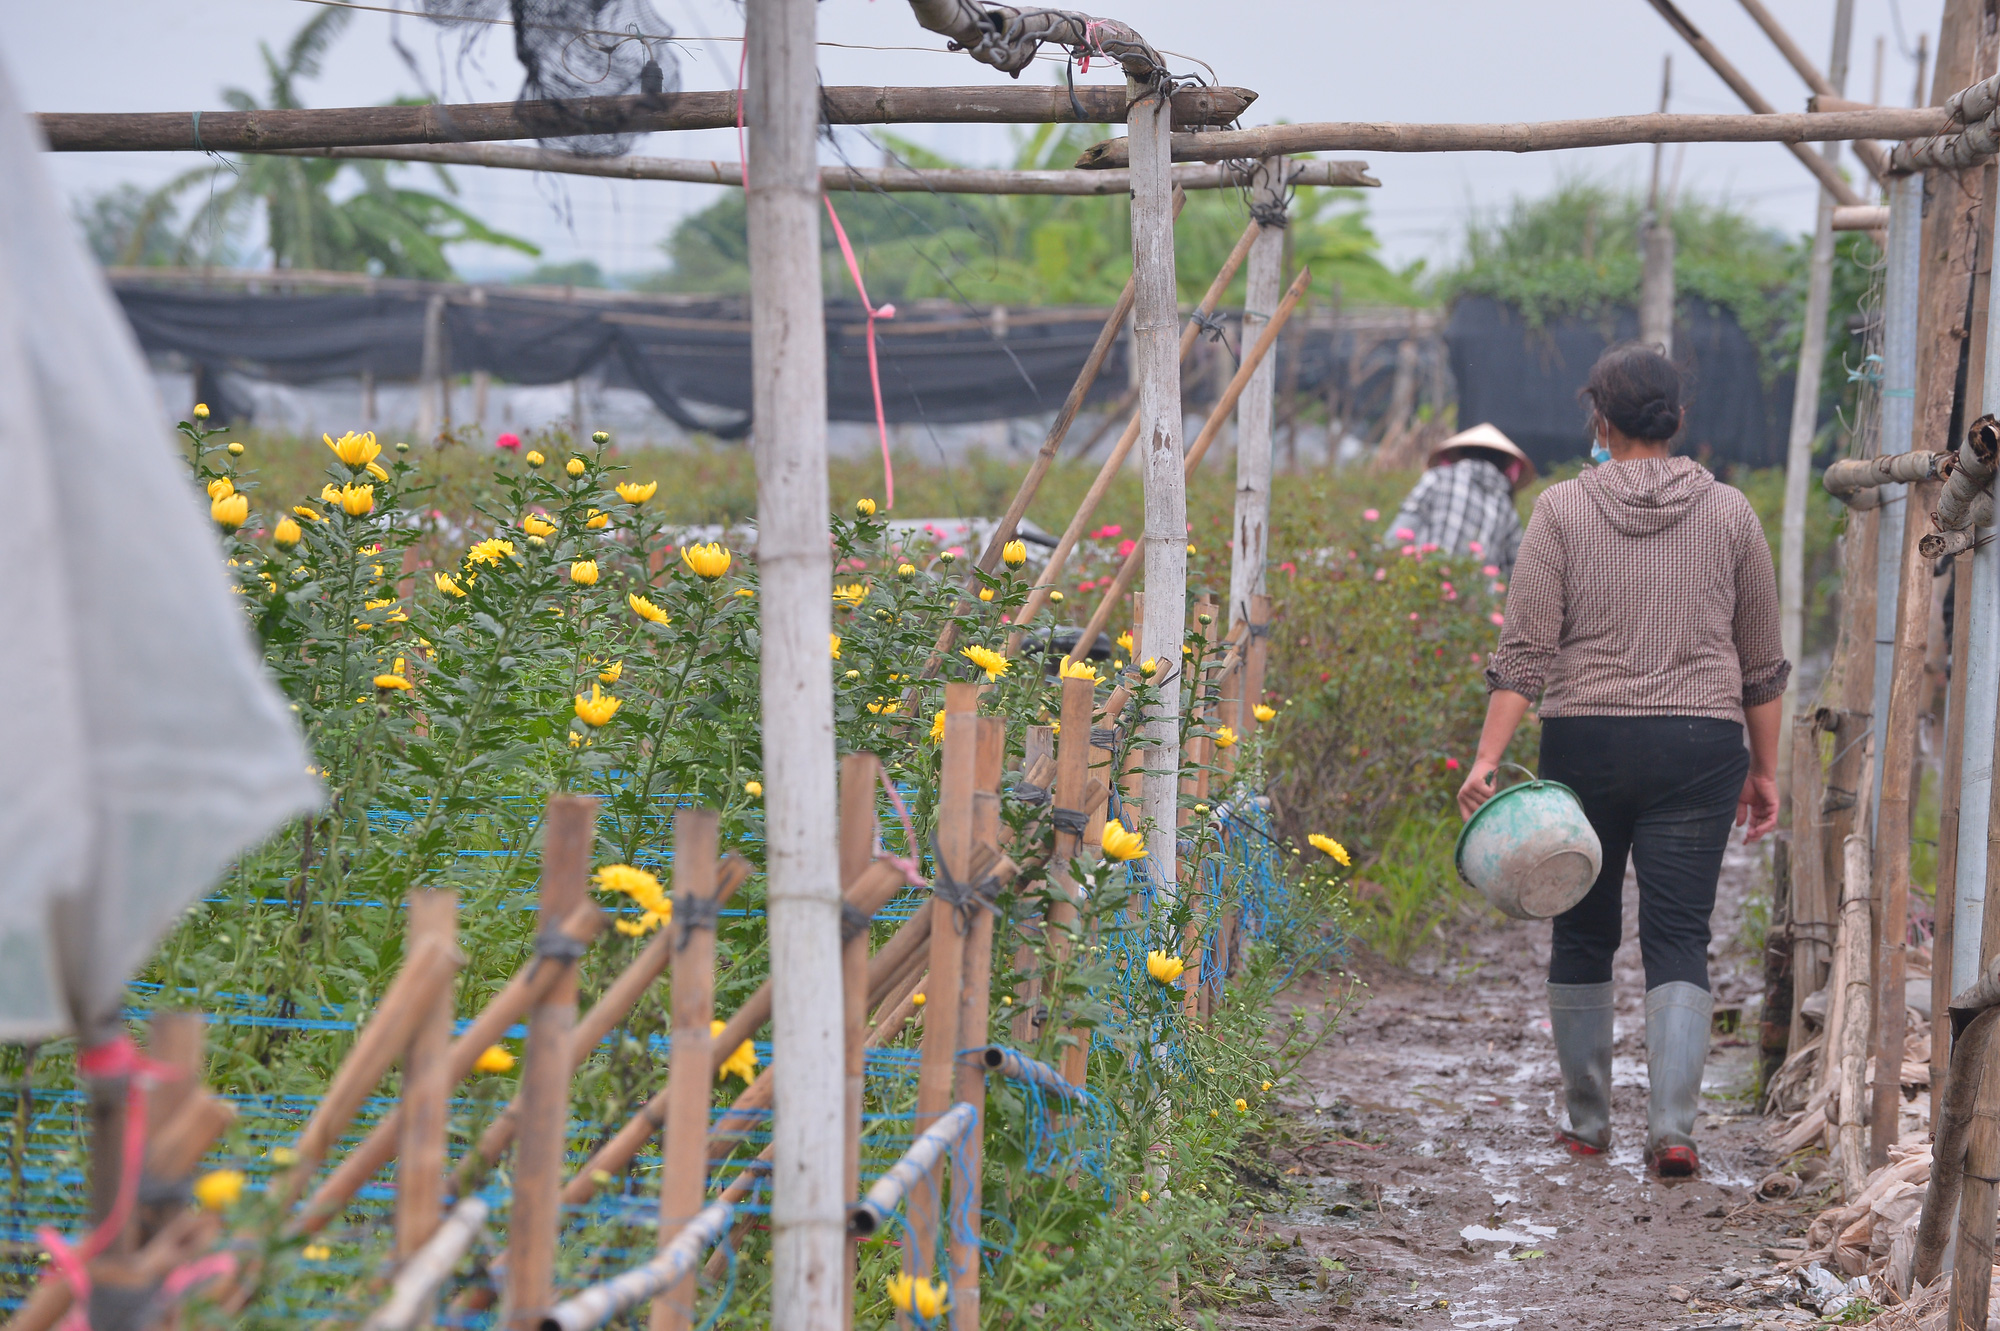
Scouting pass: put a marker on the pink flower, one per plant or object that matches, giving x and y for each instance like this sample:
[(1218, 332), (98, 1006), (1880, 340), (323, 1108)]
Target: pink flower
[(1475, 547), (956, 552), (1409, 550), (1381, 573), (1325, 675), (1491, 570), (1413, 614), (1497, 618), (1499, 587), (1451, 764), (1291, 569), (510, 442), (1428, 547), (1107, 532), (1370, 515), (1405, 534), (1126, 547), (1450, 595), (1445, 587), (1475, 658)]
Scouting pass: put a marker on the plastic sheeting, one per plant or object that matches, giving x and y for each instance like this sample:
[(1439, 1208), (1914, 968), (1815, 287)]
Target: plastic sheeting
[(1525, 381), (141, 745)]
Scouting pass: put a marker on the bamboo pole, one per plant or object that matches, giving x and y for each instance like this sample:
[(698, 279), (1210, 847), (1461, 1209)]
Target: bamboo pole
[(1228, 145), (1972, 1260), (1122, 582), (568, 831), (684, 1156), (1945, 895), (1892, 843), (1833, 83), (1255, 410), (859, 775), (1072, 772), (937, 1069), (527, 989), (788, 365), (1850, 1056), (426, 1098), (331, 127), (1810, 923), (974, 1020), (843, 179), (1902, 328), (1979, 630), (1969, 1056), (1045, 581), (1164, 541)]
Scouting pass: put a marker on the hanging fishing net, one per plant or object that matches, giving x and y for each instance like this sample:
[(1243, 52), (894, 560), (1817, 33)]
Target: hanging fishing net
[(579, 48)]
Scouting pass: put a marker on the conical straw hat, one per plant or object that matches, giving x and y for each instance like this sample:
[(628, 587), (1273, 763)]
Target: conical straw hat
[(1484, 435)]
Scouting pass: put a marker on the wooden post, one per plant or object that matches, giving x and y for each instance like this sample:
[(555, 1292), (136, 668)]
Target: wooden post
[(1072, 774), (973, 1031), (1038, 750), (427, 1086), (1811, 920), (690, 1079), (1254, 410), (859, 773), (568, 832), (1901, 369), (1849, 1057), (175, 1039), (1972, 1261), (1156, 321), (431, 385), (1256, 659), (788, 397), (937, 1070)]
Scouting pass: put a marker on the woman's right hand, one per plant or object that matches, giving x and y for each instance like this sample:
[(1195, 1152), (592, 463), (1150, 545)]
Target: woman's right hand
[(1478, 787)]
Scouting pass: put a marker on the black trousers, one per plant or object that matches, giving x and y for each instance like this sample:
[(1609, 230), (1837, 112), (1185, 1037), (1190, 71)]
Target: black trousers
[(1663, 790)]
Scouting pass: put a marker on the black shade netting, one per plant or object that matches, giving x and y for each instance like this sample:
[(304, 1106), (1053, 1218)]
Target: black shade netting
[(580, 48)]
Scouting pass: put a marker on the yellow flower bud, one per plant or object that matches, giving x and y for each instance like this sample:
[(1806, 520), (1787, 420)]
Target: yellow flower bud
[(584, 573), (534, 459), (864, 508), (357, 500), (221, 488), (985, 593), (286, 534), (230, 511), (1263, 713), (754, 789), (537, 525), (236, 450), (493, 1058), (1014, 554), (596, 521), (219, 1189), (576, 466), (201, 411)]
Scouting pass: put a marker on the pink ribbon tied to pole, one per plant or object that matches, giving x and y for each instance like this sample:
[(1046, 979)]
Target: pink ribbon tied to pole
[(874, 369)]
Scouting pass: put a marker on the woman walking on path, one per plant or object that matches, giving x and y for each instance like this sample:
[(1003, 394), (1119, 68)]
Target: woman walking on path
[(1643, 613)]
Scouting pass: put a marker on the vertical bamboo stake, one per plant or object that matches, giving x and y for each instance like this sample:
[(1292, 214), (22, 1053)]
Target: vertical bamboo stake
[(1199, 750), (973, 1024), (175, 1039), (690, 1079), (1972, 1259), (1072, 774), (1900, 326), (859, 773), (1039, 743), (1155, 322), (1850, 1055), (1809, 914), (568, 830), (788, 399), (1131, 781), (936, 1072), (1255, 409), (424, 1124), (1256, 658)]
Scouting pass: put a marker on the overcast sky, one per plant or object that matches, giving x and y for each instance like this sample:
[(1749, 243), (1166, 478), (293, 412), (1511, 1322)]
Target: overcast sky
[(1463, 60)]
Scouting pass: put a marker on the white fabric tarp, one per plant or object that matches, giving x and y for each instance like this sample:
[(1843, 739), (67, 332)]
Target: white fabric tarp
[(142, 747)]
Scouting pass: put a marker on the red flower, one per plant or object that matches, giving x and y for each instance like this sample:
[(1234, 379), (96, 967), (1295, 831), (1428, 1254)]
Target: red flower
[(510, 442), (1451, 764), (1126, 547)]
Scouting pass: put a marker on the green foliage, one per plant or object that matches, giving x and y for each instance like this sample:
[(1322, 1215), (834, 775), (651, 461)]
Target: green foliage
[(317, 213), (1032, 250)]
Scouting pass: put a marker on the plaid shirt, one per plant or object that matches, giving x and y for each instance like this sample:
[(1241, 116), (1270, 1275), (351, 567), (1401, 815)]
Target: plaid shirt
[(1643, 589), (1465, 508)]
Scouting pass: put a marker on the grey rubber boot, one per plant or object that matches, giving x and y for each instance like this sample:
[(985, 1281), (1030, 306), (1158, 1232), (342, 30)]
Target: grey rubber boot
[(1677, 1016), (1580, 1019)]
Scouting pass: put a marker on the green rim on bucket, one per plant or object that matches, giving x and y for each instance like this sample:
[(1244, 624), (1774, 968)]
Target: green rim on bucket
[(1532, 783)]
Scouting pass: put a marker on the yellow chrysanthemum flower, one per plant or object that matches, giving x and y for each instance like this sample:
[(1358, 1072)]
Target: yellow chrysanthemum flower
[(354, 450), (490, 551), (596, 710), (357, 500), (584, 573), (493, 1058), (883, 706), (1149, 667), (447, 584), (754, 789), (709, 561), (864, 508), (1164, 966), (1320, 841), (1225, 738), (644, 889), (201, 411), (1014, 554), (221, 488), (611, 672), (1119, 842), (833, 645), (918, 1294), (235, 450), (1055, 598), (330, 494), (1263, 713), (985, 593), (850, 594), (576, 466), (393, 684), (286, 534), (634, 493), (1079, 670), (1242, 1105), (377, 470), (594, 520), (985, 658), (746, 592), (906, 570), (937, 728), (646, 610), (315, 1252), (219, 1189), (742, 1061), (536, 525), (230, 511), (310, 515), (534, 458)]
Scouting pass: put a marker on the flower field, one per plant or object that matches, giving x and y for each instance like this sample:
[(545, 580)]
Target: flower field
[(452, 670)]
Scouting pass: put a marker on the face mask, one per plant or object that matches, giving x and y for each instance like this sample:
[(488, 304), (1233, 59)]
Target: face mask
[(1599, 454)]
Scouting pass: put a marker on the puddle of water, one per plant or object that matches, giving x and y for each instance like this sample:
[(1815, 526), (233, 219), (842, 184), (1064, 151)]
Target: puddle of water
[(1511, 1234)]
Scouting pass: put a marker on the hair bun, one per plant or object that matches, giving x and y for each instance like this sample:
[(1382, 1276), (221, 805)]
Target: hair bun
[(1657, 418)]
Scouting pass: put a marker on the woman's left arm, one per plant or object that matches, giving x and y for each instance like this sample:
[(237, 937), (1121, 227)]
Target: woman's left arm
[(1760, 654)]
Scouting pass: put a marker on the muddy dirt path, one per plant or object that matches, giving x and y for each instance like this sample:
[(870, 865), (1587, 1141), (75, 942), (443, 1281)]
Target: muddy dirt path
[(1426, 1187)]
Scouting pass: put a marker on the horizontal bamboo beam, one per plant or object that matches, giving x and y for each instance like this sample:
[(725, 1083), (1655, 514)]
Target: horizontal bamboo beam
[(1861, 217), (855, 179), (1534, 136), (472, 122)]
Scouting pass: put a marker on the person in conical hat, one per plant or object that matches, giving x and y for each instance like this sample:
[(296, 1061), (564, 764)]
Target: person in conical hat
[(1464, 505)]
